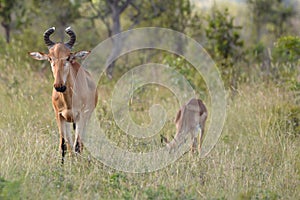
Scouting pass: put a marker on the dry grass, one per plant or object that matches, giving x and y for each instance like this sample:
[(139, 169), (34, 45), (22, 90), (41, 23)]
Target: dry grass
[(255, 158)]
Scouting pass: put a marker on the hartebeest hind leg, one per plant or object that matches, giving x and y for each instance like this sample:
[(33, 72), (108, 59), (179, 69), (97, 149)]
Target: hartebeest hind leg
[(197, 135)]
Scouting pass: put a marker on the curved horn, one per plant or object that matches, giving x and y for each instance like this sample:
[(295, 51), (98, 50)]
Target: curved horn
[(72, 40), (47, 34)]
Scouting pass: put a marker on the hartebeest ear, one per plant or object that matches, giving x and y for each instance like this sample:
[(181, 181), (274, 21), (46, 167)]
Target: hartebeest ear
[(38, 55), (81, 54)]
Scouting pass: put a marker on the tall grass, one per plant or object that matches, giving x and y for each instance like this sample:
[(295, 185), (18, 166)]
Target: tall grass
[(255, 158)]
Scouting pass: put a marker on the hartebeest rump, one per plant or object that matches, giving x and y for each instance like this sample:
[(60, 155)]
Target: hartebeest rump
[(74, 94), (191, 119)]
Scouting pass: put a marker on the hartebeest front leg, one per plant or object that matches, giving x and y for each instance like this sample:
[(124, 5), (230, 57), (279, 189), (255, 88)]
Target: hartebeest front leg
[(196, 135), (203, 118), (81, 124), (79, 131), (65, 136)]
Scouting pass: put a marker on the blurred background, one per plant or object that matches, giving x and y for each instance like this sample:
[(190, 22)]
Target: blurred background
[(248, 39)]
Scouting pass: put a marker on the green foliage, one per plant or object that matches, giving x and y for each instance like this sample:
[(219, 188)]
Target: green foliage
[(257, 52), (139, 13), (260, 195), (2, 184), (181, 13), (64, 12), (188, 71), (223, 35), (6, 7), (195, 26), (15, 15), (116, 179), (179, 10), (225, 44), (289, 119), (160, 192), (60, 14), (287, 49), (9, 190), (285, 60), (270, 15)]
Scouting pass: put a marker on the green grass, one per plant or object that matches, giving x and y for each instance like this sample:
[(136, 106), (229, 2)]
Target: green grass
[(257, 156)]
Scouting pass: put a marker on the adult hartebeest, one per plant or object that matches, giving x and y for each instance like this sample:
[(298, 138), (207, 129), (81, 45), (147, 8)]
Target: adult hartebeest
[(191, 119), (74, 94)]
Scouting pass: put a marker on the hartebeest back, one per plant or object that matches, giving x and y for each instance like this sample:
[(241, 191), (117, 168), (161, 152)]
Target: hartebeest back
[(191, 119), (74, 95)]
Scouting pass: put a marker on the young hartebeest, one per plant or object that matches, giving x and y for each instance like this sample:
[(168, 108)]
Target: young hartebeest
[(191, 119), (74, 94)]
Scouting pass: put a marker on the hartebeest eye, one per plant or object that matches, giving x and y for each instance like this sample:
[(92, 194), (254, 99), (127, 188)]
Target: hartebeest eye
[(49, 59)]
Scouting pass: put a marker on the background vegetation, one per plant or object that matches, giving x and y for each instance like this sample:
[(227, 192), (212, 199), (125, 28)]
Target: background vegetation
[(256, 46)]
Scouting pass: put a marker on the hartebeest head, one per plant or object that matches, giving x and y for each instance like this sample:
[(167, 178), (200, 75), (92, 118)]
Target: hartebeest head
[(60, 57)]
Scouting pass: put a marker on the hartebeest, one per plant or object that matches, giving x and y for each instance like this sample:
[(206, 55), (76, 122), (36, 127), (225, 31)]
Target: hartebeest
[(190, 119), (74, 94)]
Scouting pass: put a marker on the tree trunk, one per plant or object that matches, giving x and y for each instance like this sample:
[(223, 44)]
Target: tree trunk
[(7, 31), (117, 43)]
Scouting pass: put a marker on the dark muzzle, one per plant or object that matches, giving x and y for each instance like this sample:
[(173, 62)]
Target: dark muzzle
[(60, 89)]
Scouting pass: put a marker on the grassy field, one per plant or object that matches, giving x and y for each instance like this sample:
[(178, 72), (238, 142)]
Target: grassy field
[(257, 156)]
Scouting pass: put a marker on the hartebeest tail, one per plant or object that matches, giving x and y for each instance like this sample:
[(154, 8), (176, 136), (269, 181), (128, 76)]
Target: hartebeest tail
[(190, 119), (74, 94)]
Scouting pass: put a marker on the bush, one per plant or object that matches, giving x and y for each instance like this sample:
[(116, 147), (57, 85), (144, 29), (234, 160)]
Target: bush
[(287, 49)]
